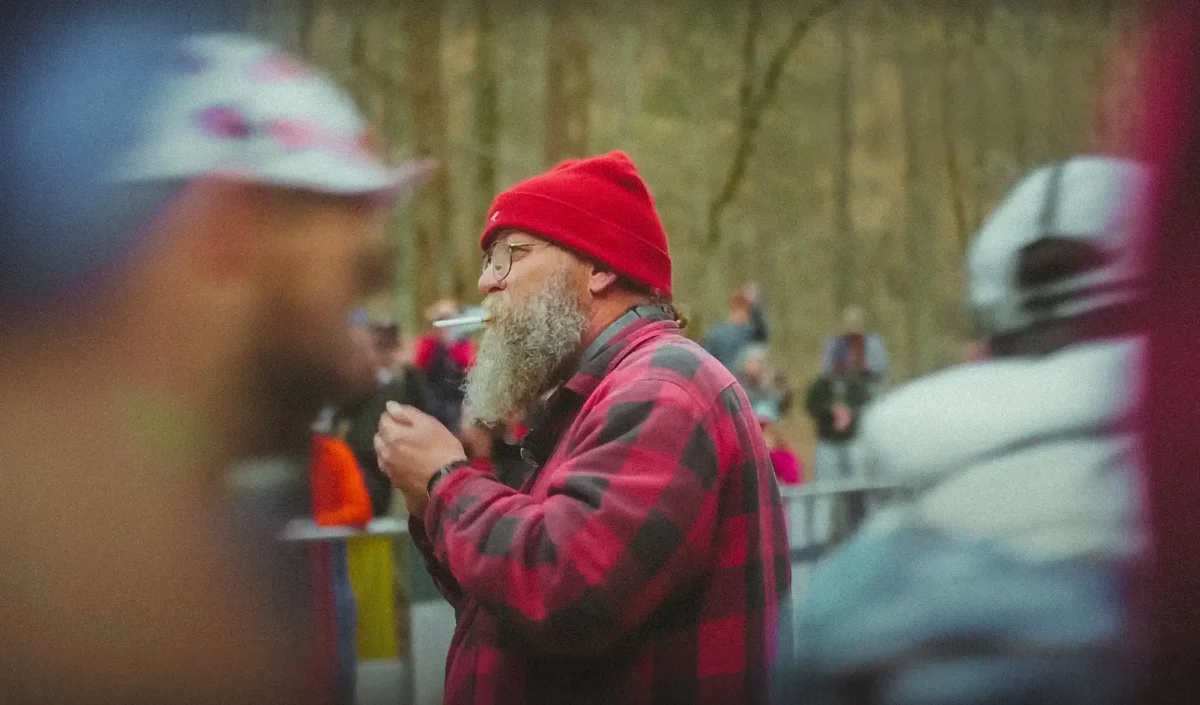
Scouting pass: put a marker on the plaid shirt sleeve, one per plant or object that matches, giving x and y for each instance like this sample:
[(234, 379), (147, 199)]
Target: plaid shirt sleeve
[(442, 579), (630, 518)]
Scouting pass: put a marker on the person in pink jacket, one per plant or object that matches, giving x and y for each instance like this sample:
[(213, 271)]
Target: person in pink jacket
[(789, 470)]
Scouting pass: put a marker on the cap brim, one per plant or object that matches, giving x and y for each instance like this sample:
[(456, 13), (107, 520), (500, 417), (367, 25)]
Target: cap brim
[(406, 177)]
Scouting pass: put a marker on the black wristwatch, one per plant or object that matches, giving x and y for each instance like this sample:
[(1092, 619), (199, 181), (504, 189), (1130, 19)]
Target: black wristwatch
[(442, 472)]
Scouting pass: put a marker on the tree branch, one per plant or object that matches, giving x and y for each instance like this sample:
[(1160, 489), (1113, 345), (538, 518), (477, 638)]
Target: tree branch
[(487, 128), (753, 105), (568, 84), (750, 56), (844, 245)]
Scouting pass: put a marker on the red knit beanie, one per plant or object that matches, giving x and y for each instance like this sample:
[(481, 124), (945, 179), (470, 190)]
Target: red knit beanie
[(599, 207)]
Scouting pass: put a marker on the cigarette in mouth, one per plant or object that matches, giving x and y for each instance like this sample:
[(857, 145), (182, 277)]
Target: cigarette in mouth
[(464, 321)]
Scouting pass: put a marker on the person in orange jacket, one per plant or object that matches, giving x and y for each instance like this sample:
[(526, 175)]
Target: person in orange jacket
[(339, 495), (339, 498)]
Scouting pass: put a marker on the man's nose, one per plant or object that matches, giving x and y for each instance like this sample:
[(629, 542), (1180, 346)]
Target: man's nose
[(488, 283)]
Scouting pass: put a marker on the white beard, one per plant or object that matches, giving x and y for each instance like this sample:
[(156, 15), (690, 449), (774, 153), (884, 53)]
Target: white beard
[(524, 347)]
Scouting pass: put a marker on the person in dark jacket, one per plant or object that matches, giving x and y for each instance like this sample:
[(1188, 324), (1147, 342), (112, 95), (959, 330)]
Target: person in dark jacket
[(835, 401), (443, 358), (358, 420), (645, 560)]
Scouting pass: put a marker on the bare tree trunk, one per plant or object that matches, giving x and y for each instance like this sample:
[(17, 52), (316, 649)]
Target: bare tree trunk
[(953, 159), (1116, 109), (1056, 53), (432, 217), (364, 83), (569, 83), (919, 246), (981, 60), (843, 274), (1016, 94), (304, 40), (259, 18), (487, 129)]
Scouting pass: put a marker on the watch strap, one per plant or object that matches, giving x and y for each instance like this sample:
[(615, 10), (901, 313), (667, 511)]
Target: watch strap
[(442, 472)]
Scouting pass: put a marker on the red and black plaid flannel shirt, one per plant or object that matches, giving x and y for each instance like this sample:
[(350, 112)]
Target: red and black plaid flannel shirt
[(645, 561)]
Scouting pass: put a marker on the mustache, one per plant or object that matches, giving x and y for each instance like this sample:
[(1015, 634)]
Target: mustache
[(524, 350)]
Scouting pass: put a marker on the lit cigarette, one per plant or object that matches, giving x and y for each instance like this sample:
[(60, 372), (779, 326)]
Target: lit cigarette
[(464, 321)]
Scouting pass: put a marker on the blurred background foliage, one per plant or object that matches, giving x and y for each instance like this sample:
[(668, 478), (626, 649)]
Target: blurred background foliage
[(836, 151)]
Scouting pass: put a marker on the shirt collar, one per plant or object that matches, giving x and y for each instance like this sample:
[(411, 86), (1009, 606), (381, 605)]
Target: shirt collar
[(600, 356), (604, 351)]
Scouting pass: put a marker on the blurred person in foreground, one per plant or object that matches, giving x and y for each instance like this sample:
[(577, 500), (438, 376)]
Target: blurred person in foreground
[(744, 325), (184, 314), (1002, 579), (1169, 410), (645, 560)]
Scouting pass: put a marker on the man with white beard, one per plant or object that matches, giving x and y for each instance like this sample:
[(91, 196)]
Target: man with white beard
[(645, 559)]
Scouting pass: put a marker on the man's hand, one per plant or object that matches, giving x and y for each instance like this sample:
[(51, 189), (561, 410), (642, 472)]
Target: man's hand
[(411, 447), (842, 416)]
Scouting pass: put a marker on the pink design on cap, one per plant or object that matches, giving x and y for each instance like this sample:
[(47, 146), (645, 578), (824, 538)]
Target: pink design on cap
[(224, 121), (293, 134), (362, 146), (277, 68)]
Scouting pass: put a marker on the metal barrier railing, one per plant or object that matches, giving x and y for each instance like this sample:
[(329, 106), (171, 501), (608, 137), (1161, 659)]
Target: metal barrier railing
[(402, 685), (306, 530), (823, 513), (820, 515)]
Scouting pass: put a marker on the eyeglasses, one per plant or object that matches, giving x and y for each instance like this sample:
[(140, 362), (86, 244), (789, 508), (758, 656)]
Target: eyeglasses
[(499, 257)]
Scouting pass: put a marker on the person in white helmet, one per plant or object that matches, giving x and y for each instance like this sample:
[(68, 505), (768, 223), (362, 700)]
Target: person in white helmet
[(1000, 580)]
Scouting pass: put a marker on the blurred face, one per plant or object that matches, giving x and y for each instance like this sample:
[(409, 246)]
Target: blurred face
[(388, 347), (739, 309), (853, 362), (754, 369), (323, 255), (536, 297), (853, 320), (358, 371)]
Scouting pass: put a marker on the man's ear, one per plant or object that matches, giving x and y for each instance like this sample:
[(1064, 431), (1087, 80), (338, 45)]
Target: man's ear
[(601, 281)]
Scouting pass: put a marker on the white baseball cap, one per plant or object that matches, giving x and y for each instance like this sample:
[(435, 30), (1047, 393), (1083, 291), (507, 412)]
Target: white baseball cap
[(1085, 198), (240, 108)]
